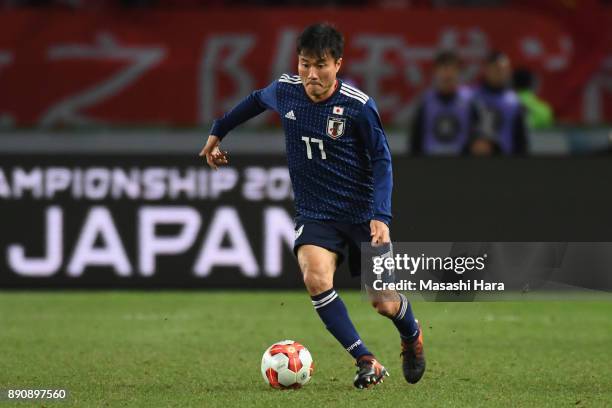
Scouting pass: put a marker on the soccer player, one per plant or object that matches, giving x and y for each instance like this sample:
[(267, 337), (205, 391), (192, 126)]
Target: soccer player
[(340, 168)]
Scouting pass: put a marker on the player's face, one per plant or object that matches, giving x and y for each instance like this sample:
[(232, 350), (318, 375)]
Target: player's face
[(497, 73), (318, 74), (446, 78)]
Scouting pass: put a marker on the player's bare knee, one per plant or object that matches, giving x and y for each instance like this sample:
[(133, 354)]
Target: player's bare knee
[(386, 308), (315, 280), (316, 287), (317, 266), (315, 276)]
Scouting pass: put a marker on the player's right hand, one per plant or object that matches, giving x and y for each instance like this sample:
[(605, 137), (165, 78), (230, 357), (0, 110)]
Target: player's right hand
[(214, 156), (379, 231)]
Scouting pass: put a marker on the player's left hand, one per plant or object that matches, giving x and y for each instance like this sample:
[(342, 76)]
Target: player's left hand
[(379, 231)]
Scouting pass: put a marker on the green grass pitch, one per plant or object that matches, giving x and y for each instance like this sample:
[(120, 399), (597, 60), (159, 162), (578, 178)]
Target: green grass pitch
[(203, 349)]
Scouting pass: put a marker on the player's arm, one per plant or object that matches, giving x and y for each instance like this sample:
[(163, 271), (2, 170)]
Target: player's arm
[(371, 130), (251, 106)]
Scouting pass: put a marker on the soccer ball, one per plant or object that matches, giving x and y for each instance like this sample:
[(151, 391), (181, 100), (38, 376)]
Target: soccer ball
[(287, 364)]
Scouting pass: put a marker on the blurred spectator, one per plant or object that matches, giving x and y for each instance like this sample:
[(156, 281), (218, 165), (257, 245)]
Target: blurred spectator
[(539, 113), (503, 122), (446, 117)]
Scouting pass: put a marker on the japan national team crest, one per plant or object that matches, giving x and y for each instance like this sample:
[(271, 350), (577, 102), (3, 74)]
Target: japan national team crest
[(335, 127)]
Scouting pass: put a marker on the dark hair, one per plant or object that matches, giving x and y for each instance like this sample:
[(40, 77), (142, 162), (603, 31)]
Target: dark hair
[(321, 39), (522, 78), (496, 56), (446, 57)]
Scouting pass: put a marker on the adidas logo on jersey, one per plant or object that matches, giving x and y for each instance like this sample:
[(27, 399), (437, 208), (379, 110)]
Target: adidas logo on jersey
[(290, 115)]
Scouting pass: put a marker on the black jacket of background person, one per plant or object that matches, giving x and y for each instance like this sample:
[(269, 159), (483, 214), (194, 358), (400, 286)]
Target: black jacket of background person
[(519, 126), (417, 128)]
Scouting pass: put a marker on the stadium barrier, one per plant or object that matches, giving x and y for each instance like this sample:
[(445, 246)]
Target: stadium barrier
[(159, 221)]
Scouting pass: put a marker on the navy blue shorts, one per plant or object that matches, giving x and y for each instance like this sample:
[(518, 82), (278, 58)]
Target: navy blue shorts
[(338, 237)]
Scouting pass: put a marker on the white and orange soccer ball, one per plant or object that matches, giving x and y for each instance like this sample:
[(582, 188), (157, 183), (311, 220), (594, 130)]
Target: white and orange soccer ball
[(287, 364)]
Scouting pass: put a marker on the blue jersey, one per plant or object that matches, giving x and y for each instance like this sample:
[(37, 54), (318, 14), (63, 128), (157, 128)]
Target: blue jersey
[(337, 152)]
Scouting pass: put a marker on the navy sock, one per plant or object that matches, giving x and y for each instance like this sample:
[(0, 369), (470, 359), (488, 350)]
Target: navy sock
[(332, 311), (404, 320)]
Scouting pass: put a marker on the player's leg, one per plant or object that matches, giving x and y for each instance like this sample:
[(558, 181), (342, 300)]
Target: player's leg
[(318, 266), (391, 304), (396, 307)]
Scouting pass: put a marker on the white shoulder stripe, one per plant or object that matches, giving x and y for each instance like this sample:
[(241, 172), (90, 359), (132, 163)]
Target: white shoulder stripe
[(290, 77), (363, 96), (359, 98), (352, 88), (355, 90), (290, 81), (356, 94)]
